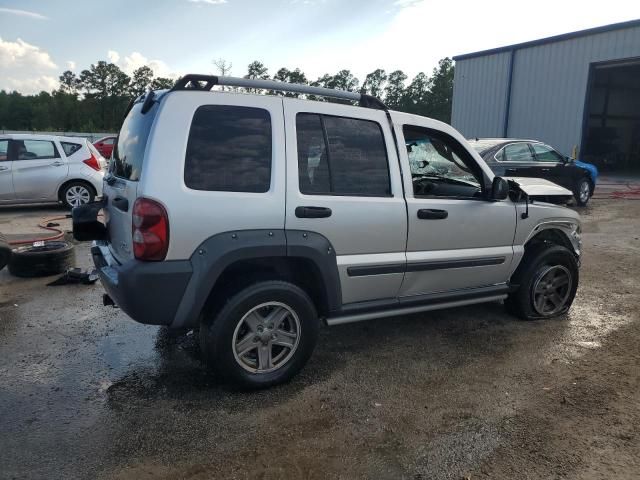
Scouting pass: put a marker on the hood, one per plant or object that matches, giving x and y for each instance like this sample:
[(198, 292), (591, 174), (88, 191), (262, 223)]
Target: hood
[(538, 187)]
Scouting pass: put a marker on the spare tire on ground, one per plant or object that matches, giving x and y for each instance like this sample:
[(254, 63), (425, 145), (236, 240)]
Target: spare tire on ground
[(5, 251), (42, 259)]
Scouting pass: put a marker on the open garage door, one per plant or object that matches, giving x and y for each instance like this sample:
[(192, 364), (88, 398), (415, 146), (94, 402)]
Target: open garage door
[(611, 136)]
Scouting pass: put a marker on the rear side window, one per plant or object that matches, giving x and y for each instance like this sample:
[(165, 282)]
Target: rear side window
[(341, 156), (70, 148), (229, 149), (128, 153), (4, 149)]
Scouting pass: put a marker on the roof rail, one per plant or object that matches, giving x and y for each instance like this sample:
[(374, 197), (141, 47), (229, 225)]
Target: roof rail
[(206, 82)]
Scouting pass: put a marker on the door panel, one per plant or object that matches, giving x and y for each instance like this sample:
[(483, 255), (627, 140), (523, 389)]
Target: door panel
[(38, 170), (468, 242), (364, 230)]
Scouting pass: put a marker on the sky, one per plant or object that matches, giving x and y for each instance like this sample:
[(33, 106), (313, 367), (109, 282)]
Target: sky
[(39, 39)]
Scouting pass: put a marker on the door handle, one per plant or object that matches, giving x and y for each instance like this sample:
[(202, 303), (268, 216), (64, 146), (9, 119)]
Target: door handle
[(57, 164), (313, 212), (432, 214), (121, 203), (2, 168)]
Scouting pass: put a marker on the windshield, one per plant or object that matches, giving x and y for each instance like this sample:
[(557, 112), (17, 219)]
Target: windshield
[(128, 153)]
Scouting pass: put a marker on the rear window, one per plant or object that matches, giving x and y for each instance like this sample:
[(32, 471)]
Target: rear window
[(229, 149), (70, 148), (128, 153)]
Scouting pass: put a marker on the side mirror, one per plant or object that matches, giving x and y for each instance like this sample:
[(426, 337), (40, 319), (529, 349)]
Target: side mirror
[(499, 189)]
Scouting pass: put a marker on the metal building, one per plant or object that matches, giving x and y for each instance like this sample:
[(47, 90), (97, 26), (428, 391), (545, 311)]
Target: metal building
[(578, 90)]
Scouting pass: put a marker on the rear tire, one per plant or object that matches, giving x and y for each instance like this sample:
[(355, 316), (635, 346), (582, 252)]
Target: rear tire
[(77, 193), (262, 336), (52, 258), (583, 192), (548, 280)]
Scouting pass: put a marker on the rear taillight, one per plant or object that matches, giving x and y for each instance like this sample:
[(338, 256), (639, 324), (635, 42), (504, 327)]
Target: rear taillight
[(92, 162), (150, 230)]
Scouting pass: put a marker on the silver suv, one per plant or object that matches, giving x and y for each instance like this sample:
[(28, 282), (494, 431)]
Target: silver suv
[(257, 217)]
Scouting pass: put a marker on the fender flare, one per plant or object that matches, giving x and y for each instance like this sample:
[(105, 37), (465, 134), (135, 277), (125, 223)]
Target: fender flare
[(216, 253)]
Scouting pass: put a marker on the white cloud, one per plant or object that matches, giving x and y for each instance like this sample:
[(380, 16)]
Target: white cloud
[(209, 2), (71, 65), (114, 57), (23, 13), (136, 60), (26, 68), (22, 54)]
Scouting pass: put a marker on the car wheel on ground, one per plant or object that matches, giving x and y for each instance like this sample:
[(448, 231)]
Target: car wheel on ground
[(5, 251), (262, 336), (583, 192), (547, 280), (75, 194), (41, 260)]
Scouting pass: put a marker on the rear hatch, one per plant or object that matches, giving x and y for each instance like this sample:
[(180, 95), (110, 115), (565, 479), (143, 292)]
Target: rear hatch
[(121, 184)]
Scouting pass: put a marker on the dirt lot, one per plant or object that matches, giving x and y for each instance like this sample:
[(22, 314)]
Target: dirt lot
[(467, 393)]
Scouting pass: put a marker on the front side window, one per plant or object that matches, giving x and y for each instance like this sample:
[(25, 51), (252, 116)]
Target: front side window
[(439, 166), (229, 149), (35, 149), (516, 152), (4, 150), (546, 154), (341, 156)]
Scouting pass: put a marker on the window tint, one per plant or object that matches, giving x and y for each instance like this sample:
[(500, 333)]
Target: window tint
[(545, 153), (128, 153), (4, 148), (517, 152), (341, 156), (35, 149), (437, 166), (70, 148), (229, 149)]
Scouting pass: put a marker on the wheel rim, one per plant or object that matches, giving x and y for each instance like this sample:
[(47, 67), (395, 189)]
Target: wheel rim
[(584, 191), (551, 290), (77, 195), (266, 337)]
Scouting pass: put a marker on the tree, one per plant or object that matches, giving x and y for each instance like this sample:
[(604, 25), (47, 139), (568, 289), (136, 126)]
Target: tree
[(394, 91), (440, 97), (415, 96), (69, 82), (256, 71), (374, 83), (162, 83), (344, 80), (109, 86), (140, 81), (289, 76), (224, 67)]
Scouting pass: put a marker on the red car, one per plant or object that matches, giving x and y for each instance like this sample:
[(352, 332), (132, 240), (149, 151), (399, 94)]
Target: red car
[(105, 146)]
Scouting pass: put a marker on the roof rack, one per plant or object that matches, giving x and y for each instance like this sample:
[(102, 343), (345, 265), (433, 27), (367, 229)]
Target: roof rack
[(206, 82)]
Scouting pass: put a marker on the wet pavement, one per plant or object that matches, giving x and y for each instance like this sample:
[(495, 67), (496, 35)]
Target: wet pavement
[(471, 392)]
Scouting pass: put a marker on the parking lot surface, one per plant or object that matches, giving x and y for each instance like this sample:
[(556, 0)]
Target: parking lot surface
[(463, 393)]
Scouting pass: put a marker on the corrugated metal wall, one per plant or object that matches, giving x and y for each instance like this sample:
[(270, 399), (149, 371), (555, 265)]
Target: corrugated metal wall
[(549, 87)]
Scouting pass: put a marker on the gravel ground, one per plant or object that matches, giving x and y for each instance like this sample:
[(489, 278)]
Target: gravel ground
[(464, 393)]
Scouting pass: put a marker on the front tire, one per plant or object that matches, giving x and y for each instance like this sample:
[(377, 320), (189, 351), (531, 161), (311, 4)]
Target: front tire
[(583, 192), (262, 336), (548, 280)]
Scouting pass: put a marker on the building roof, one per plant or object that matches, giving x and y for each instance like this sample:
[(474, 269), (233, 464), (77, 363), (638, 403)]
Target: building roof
[(555, 38)]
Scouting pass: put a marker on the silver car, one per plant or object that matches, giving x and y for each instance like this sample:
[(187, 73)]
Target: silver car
[(49, 168)]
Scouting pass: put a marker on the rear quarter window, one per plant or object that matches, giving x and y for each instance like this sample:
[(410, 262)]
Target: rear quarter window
[(70, 148), (229, 149), (128, 153)]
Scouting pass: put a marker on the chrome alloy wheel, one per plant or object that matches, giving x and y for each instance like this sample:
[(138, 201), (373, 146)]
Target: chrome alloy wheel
[(551, 290), (266, 337), (77, 195)]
